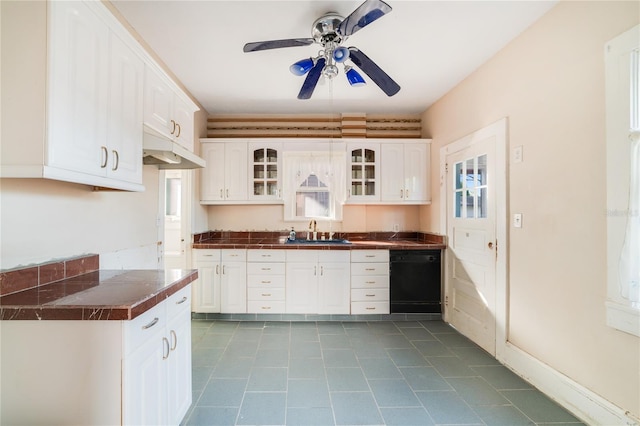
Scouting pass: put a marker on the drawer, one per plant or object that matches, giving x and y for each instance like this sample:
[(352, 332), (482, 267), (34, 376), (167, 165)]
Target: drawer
[(370, 256), (201, 256), (369, 269), (267, 281), (265, 294), (266, 255), (370, 281), (362, 308), (265, 307), (144, 327), (265, 268), (334, 256), (179, 302), (366, 294), (234, 255)]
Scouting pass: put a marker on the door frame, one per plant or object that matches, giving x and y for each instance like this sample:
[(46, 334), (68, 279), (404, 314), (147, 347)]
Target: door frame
[(499, 130)]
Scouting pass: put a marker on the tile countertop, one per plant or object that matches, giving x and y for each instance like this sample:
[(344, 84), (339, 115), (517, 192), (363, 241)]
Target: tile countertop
[(98, 295), (358, 241)]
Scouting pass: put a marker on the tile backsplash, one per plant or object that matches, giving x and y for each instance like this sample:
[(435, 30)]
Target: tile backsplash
[(24, 278)]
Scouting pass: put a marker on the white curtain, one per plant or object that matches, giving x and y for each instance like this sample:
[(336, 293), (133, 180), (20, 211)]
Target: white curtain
[(630, 257), (328, 166)]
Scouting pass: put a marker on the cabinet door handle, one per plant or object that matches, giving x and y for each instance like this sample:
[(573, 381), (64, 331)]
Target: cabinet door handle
[(179, 129), (321, 270), (181, 301), (406, 194), (221, 195), (173, 129), (174, 339), (315, 270), (222, 269), (105, 156), (151, 324), (401, 193), (165, 343), (227, 192), (217, 269), (117, 160)]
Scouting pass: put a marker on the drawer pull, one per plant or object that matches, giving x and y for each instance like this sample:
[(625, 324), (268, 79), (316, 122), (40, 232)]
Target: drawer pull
[(265, 282), (370, 282), (266, 294), (265, 269), (207, 255), (370, 295), (151, 324), (265, 255), (266, 307), (233, 255), (181, 301), (370, 269), (369, 255), (370, 309)]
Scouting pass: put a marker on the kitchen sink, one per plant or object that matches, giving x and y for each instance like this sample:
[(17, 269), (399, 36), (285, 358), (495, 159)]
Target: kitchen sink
[(311, 242)]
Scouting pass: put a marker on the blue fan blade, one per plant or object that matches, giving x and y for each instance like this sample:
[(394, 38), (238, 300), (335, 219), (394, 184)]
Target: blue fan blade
[(277, 44), (374, 72), (365, 14), (312, 79)]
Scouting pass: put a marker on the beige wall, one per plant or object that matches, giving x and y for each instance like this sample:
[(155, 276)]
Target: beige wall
[(549, 82), (43, 219), (355, 219)]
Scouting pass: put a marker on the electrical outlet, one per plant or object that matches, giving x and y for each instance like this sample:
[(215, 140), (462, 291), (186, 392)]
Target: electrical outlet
[(396, 227), (517, 154)]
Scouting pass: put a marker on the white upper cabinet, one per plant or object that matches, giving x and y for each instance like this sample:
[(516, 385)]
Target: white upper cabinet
[(265, 171), (405, 172), (166, 109), (363, 172), (90, 130), (224, 179)]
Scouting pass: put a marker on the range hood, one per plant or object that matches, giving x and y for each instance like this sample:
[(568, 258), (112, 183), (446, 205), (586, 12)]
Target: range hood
[(167, 154)]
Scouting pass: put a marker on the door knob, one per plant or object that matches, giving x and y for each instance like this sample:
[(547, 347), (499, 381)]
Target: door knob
[(490, 245)]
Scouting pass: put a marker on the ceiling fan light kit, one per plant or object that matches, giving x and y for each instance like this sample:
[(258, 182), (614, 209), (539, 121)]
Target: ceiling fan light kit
[(330, 31)]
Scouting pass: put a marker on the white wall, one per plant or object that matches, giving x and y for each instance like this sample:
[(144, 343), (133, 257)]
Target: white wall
[(549, 82), (43, 219)]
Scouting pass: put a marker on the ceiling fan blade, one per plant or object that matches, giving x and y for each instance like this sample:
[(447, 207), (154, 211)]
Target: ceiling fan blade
[(277, 44), (365, 14), (312, 79), (374, 72)]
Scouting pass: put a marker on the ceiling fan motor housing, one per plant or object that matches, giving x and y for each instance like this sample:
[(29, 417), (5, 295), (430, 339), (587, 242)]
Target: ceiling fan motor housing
[(324, 29)]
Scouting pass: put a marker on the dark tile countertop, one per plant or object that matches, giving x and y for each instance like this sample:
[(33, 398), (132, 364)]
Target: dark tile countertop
[(358, 241), (97, 295)]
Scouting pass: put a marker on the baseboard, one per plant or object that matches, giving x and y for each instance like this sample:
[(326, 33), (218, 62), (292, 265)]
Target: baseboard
[(580, 401)]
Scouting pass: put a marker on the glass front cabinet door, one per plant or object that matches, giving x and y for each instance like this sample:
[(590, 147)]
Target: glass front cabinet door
[(363, 172), (265, 170)]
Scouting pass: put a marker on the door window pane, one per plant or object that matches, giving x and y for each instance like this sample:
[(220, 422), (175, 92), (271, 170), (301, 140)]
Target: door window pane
[(470, 192)]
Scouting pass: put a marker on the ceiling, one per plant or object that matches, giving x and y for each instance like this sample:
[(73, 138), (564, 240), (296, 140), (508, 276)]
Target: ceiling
[(427, 47)]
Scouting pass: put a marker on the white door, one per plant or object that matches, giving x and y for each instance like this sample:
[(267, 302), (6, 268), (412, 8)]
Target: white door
[(175, 210), (471, 212)]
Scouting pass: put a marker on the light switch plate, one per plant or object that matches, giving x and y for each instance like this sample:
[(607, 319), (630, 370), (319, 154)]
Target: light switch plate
[(517, 220)]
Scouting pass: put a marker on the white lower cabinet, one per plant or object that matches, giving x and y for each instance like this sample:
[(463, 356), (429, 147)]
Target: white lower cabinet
[(233, 281), (222, 282), (111, 372), (370, 282), (317, 281), (157, 363), (266, 281)]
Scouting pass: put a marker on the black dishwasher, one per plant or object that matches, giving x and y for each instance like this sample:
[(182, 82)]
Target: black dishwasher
[(415, 281)]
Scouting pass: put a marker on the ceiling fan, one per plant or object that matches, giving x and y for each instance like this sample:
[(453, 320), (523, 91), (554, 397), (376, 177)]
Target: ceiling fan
[(330, 31)]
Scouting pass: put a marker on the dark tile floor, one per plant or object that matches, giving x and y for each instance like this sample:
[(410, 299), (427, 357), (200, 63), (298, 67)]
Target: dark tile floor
[(355, 373)]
